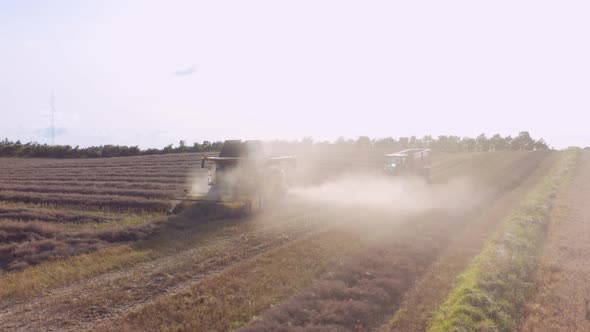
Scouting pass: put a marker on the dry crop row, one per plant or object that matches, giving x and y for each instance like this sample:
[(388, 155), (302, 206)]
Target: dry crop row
[(42, 199), (51, 215), (117, 203), (143, 193)]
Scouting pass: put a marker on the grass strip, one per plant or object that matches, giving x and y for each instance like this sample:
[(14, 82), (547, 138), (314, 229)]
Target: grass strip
[(491, 293), (231, 298)]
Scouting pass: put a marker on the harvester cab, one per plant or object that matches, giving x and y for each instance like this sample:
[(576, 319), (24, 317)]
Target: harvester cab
[(409, 162), (244, 175)]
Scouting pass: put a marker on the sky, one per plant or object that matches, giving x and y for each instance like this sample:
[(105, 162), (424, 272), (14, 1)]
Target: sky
[(150, 73)]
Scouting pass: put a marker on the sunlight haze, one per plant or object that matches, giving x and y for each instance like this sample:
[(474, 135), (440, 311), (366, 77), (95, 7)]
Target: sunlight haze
[(150, 73)]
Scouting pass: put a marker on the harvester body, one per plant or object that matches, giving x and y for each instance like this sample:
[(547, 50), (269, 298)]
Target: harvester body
[(243, 174), (409, 162)]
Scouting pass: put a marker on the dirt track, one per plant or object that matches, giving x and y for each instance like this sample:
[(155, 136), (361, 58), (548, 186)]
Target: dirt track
[(562, 302)]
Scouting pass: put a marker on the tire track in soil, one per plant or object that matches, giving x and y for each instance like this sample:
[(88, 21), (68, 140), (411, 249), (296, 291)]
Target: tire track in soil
[(112, 294)]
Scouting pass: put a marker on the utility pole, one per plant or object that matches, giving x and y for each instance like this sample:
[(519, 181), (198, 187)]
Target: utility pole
[(52, 118)]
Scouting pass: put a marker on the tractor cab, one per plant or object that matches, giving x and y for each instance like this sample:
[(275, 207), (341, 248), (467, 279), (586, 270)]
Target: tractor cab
[(394, 163), (408, 162)]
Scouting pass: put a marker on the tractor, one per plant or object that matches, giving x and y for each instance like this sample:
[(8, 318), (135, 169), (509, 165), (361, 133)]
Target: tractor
[(412, 162)]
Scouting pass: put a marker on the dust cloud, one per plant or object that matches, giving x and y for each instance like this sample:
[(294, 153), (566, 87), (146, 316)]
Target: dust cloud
[(398, 195), (350, 182), (198, 183)]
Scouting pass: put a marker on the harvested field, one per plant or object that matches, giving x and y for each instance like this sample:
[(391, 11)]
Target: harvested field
[(30, 243), (183, 254), (492, 291), (562, 286), (84, 201), (103, 183), (417, 310), (143, 193), (50, 215), (110, 200), (362, 293), (300, 265)]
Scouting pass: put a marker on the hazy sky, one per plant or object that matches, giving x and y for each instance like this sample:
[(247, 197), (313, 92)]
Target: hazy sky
[(150, 73)]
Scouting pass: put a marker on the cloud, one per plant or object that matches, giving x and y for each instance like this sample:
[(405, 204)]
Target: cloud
[(186, 72)]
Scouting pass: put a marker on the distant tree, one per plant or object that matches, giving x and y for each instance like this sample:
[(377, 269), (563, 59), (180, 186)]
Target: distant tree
[(427, 141), (469, 144), (541, 145), (196, 147), (454, 143), (528, 141), (363, 141), (307, 140), (387, 142), (441, 143), (498, 143), (168, 149), (181, 146), (523, 141), (216, 146), (483, 144)]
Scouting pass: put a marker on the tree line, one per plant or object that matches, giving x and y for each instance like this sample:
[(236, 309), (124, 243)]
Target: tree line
[(523, 141), (36, 150)]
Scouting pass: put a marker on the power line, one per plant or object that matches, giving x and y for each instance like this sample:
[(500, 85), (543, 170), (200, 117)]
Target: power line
[(52, 118)]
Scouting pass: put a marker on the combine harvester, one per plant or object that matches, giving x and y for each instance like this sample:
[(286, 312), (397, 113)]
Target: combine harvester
[(242, 177), (409, 162)]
